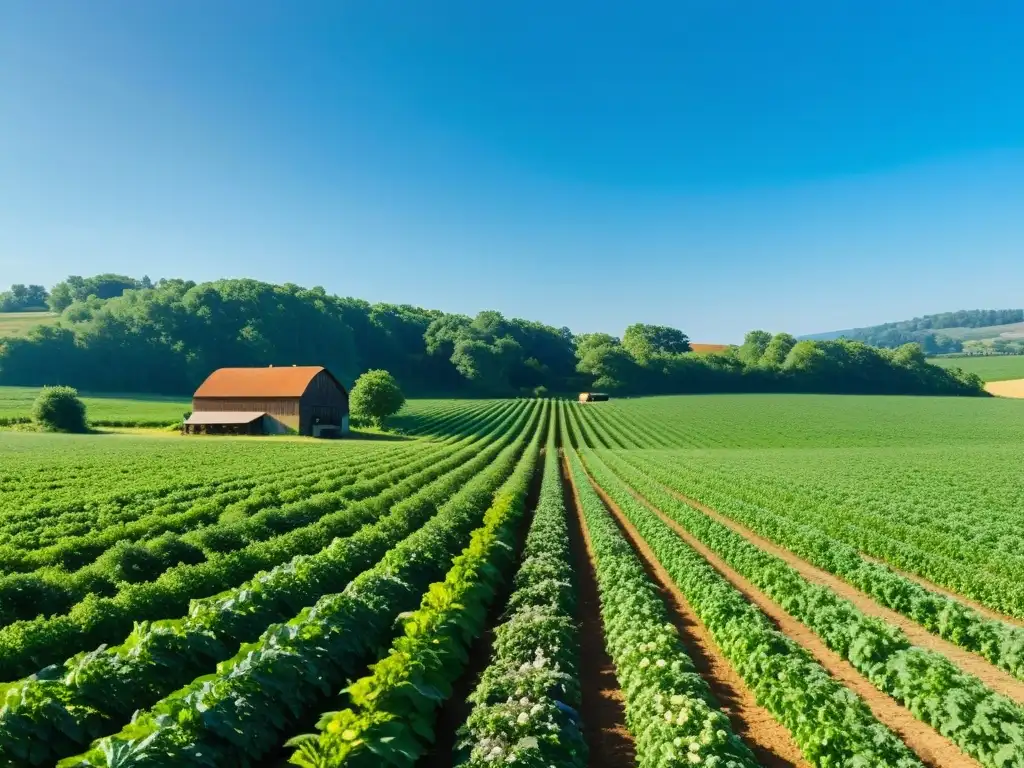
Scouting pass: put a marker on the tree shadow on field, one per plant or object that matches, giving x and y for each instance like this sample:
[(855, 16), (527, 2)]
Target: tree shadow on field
[(386, 437)]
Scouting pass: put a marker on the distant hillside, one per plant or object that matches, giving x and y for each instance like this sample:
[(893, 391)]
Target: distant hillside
[(967, 330)]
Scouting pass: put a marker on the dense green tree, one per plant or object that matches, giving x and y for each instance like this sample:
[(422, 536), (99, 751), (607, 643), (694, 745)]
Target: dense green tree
[(754, 345), (58, 409), (167, 337), (375, 396), (778, 349), (77, 288), (645, 341), (23, 297)]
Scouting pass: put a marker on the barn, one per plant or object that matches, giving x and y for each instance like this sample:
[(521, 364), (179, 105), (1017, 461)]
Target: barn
[(301, 399)]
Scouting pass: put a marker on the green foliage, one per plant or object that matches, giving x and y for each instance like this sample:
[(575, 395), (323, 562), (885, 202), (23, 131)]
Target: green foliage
[(106, 286), (925, 682), (829, 723), (375, 396), (391, 712), (292, 666), (117, 334), (645, 341), (23, 297), (525, 707), (778, 349), (669, 709), (755, 343), (59, 409), (159, 656)]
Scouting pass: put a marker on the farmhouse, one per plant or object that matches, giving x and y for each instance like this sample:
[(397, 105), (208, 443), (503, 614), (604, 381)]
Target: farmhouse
[(304, 399), (593, 397)]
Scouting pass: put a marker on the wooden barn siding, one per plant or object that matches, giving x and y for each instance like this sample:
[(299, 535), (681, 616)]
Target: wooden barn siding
[(323, 398)]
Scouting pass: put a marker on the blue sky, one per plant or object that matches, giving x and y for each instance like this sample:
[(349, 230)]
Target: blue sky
[(713, 165)]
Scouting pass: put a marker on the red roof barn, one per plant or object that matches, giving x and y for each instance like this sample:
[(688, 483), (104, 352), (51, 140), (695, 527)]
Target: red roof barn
[(303, 399)]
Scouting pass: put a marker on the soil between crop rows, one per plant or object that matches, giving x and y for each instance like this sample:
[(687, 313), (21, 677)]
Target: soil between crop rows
[(984, 610), (767, 738), (932, 748), (997, 679), (602, 706)]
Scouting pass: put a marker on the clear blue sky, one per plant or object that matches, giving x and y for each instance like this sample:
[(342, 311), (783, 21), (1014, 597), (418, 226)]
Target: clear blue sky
[(714, 165)]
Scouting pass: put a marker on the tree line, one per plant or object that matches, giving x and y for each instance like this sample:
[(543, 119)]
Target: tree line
[(118, 334), (927, 330)]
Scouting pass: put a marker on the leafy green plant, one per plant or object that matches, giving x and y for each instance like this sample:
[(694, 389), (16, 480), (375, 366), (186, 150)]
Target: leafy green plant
[(58, 409)]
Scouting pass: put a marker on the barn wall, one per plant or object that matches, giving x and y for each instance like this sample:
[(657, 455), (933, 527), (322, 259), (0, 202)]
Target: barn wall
[(323, 399)]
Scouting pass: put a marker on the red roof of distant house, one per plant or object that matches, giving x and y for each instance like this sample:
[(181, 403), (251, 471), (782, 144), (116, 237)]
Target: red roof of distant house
[(289, 381), (708, 348)]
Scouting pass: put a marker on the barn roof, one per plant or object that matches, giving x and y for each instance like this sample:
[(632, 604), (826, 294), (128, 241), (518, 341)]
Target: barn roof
[(289, 381)]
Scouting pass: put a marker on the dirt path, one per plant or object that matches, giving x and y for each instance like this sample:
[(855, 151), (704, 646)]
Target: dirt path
[(972, 663), (769, 740), (932, 586), (603, 706), (932, 748)]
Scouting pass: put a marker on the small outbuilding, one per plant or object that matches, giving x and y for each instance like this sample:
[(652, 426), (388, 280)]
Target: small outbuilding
[(593, 397), (301, 399)]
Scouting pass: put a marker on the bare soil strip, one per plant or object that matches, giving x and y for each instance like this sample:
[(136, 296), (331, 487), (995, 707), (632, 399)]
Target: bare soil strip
[(931, 748), (1010, 388), (769, 740), (603, 705), (932, 586), (970, 662)]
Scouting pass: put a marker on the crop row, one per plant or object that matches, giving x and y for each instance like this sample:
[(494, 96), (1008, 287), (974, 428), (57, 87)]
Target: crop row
[(985, 725), (62, 709), (75, 548), (255, 697), (262, 476), (669, 708), (828, 722), (999, 642), (525, 707), (391, 710), (25, 646), (112, 481), (51, 592)]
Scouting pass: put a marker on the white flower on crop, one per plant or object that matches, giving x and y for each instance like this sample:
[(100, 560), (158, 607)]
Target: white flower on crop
[(695, 758), (535, 709), (524, 701), (668, 716), (523, 718), (660, 663), (678, 699), (645, 663)]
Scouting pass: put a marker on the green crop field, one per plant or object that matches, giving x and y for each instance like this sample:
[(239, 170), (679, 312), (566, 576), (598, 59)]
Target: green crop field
[(989, 368), (103, 409), (749, 579), (19, 323)]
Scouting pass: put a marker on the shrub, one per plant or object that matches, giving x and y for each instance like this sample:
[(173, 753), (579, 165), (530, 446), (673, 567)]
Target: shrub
[(58, 409)]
